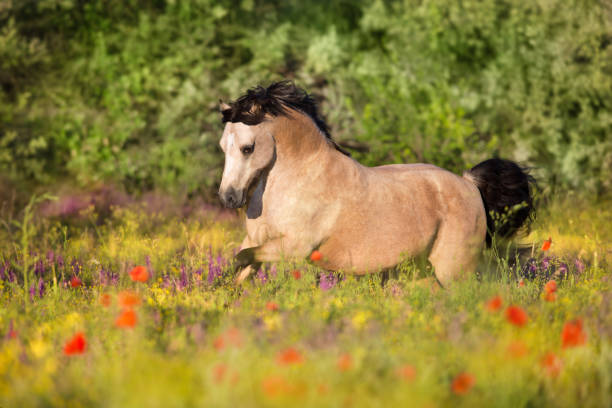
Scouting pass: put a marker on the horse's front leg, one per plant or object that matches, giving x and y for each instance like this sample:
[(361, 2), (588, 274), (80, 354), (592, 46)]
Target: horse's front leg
[(244, 261), (273, 250)]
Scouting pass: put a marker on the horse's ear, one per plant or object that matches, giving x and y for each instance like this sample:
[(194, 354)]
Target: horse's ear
[(223, 106)]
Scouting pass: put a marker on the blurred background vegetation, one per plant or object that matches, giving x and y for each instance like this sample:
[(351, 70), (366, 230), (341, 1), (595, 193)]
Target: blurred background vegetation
[(126, 91)]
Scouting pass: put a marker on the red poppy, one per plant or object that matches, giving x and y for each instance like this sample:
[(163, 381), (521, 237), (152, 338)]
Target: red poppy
[(494, 304), (550, 297), (463, 383), (521, 283), (552, 364), (76, 345), (231, 337), (219, 372), (274, 385), (75, 282), (315, 256), (12, 334), (572, 334), (517, 349), (139, 274), (406, 372), (296, 274), (550, 287), (105, 300), (345, 362), (546, 244), (516, 316), (272, 306), (127, 319), (128, 299), (289, 356)]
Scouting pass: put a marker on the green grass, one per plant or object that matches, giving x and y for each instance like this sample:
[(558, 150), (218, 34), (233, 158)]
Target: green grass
[(172, 356)]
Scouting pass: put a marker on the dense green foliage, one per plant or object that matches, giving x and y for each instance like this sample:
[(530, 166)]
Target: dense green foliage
[(127, 91)]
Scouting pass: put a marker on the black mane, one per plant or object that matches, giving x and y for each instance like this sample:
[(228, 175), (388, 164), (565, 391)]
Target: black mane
[(274, 100)]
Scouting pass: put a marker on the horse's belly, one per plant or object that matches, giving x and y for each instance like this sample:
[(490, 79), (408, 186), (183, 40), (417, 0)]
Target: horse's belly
[(381, 246)]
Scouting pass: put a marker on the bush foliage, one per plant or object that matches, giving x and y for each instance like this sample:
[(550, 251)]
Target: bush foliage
[(127, 91)]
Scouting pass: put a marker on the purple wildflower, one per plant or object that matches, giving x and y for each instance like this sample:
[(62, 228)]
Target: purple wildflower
[(41, 287), (579, 265), (545, 263), (327, 281), (39, 269), (32, 292), (183, 282), (262, 276), (60, 261), (50, 257)]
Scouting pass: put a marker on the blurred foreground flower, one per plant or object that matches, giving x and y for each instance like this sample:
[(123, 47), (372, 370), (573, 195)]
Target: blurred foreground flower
[(76, 345), (105, 300), (406, 372), (139, 274), (494, 304), (272, 306), (127, 319), (345, 362), (551, 364), (315, 256), (550, 288), (462, 383), (75, 282), (546, 244), (128, 299), (231, 337), (572, 334), (516, 315), (517, 349), (289, 356)]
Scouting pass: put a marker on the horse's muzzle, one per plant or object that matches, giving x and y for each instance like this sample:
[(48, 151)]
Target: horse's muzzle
[(232, 198)]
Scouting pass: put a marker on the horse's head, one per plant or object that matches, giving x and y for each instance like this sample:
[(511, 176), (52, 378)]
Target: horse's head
[(249, 150)]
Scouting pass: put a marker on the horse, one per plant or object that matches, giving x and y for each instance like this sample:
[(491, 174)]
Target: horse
[(300, 194)]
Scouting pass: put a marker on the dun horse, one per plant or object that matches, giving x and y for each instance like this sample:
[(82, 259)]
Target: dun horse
[(303, 192)]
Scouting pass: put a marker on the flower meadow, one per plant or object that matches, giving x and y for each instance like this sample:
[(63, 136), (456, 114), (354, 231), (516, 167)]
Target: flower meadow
[(138, 308)]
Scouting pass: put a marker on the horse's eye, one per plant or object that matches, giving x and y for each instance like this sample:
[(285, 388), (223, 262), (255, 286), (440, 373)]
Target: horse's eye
[(247, 149)]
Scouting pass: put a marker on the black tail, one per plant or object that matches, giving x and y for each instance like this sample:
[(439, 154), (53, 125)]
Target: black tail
[(506, 189)]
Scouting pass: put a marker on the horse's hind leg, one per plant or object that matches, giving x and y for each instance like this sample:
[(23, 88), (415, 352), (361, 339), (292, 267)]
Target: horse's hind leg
[(455, 251)]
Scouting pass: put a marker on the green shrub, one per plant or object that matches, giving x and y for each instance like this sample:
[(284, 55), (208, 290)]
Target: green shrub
[(127, 91)]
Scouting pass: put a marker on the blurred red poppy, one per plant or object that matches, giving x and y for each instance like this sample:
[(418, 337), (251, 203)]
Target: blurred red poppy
[(272, 306), (494, 304), (219, 372), (289, 356), (105, 300), (546, 244), (551, 364), (128, 299), (127, 319), (516, 316), (463, 383), (296, 274), (76, 345), (517, 349), (75, 282), (315, 256), (139, 274), (345, 362), (406, 372), (572, 334), (550, 287)]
